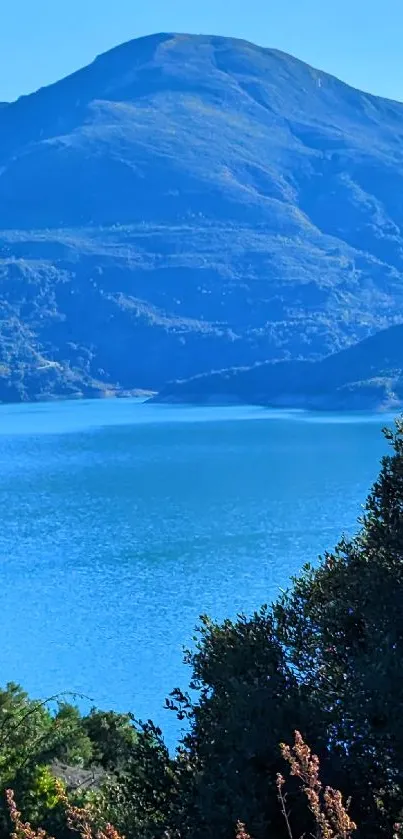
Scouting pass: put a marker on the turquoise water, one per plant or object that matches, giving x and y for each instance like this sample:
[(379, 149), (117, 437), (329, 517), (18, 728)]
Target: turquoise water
[(121, 522)]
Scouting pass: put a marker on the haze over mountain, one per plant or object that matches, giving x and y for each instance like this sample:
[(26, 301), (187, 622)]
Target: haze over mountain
[(188, 203)]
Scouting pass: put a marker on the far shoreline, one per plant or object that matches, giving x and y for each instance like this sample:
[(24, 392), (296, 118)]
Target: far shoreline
[(317, 404), (389, 409)]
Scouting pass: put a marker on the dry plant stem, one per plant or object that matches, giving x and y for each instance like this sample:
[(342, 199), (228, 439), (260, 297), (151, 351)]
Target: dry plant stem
[(328, 809), (79, 819), (22, 830), (282, 799), (241, 832)]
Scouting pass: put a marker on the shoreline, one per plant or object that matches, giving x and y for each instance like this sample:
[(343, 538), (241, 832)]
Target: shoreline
[(136, 393), (317, 404)]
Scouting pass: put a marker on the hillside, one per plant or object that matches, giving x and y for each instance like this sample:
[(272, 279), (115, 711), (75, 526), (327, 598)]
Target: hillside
[(188, 203), (368, 375)]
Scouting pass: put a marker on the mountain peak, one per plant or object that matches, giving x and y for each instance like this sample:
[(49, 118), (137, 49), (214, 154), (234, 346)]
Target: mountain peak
[(192, 202)]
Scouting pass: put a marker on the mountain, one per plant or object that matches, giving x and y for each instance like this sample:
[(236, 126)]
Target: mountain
[(187, 203), (368, 375)]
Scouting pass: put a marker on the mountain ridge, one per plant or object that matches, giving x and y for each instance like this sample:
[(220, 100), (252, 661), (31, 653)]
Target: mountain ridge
[(161, 36), (191, 202), (366, 376)]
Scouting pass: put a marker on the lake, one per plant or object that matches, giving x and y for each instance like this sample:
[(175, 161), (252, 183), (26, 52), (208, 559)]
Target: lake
[(122, 521)]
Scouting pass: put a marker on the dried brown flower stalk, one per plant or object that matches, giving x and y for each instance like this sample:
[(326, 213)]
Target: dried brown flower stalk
[(81, 820), (241, 832), (22, 830), (327, 806)]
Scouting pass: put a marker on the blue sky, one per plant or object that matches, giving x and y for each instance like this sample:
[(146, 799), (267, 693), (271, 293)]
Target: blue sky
[(360, 42)]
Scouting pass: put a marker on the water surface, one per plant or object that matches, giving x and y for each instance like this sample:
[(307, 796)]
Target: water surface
[(121, 522)]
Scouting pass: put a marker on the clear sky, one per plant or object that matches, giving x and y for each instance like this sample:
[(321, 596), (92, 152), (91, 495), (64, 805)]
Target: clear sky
[(360, 41)]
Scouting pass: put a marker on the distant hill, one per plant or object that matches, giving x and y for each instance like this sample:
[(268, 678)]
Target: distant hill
[(366, 376), (187, 203)]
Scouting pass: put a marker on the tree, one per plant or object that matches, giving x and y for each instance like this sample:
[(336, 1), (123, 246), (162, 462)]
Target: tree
[(144, 798), (327, 660), (342, 627), (248, 699), (113, 737), (75, 746)]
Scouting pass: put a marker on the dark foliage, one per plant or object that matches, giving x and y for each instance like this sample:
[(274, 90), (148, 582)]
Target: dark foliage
[(326, 660)]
